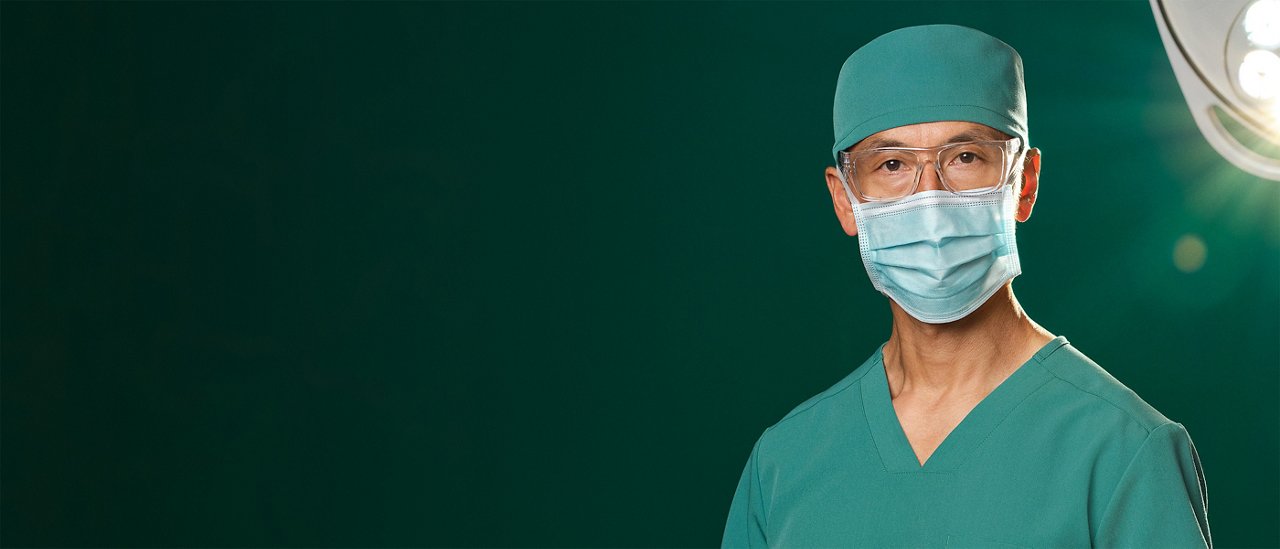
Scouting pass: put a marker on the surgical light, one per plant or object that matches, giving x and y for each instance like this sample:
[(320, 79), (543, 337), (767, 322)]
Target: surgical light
[(1224, 57)]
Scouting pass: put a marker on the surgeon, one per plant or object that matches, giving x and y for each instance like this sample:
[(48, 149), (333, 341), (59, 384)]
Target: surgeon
[(971, 426)]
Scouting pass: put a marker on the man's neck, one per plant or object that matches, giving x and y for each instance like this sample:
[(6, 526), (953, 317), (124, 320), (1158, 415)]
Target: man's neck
[(965, 358)]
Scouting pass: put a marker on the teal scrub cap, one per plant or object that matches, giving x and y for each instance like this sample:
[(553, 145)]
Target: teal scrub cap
[(929, 73)]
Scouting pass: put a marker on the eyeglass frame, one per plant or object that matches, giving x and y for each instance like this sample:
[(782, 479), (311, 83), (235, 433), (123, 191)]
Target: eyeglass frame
[(1010, 160)]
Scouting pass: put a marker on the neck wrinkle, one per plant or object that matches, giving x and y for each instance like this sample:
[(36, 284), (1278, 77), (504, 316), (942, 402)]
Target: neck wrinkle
[(967, 358)]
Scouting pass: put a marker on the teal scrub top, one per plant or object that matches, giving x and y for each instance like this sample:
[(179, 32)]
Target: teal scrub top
[(1060, 454)]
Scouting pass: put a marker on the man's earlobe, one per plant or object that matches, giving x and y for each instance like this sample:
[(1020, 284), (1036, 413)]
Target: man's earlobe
[(1030, 185), (840, 200)]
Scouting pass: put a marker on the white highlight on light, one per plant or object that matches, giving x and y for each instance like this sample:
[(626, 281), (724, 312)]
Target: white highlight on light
[(1262, 23), (1260, 75)]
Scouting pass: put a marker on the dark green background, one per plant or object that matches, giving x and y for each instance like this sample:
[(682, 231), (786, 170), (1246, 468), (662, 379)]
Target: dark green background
[(539, 274)]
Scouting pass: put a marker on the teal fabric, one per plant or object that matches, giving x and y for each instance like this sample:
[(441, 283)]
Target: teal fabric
[(1060, 454), (929, 73)]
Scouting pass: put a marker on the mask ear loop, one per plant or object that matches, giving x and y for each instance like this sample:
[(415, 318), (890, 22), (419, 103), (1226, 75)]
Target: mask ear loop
[(864, 242), (1009, 207)]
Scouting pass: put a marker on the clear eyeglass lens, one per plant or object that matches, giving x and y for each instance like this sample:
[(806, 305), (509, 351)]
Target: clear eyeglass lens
[(885, 173), (973, 166)]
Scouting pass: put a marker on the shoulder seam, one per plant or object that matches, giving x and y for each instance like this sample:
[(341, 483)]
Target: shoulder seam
[(1127, 413), (852, 382)]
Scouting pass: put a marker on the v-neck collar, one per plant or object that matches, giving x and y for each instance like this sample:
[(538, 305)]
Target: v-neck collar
[(891, 440)]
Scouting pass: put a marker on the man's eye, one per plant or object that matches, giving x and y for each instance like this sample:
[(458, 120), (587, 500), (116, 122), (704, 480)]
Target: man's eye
[(892, 165), (968, 157)]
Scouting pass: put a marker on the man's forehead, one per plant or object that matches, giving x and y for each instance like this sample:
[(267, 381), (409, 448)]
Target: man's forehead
[(930, 134)]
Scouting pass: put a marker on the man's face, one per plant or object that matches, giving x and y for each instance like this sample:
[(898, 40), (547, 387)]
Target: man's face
[(932, 134)]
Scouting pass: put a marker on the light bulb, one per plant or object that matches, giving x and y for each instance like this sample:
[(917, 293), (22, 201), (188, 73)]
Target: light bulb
[(1262, 23), (1260, 75)]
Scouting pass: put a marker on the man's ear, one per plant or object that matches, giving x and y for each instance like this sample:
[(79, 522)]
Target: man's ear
[(1030, 184), (840, 199)]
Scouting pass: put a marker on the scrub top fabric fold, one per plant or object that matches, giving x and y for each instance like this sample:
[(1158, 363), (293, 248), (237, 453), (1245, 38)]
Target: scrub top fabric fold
[(1060, 454)]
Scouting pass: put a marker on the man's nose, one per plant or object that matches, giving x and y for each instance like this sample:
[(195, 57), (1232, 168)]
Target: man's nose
[(929, 180)]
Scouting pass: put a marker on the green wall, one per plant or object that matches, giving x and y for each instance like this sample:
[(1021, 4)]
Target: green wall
[(538, 274)]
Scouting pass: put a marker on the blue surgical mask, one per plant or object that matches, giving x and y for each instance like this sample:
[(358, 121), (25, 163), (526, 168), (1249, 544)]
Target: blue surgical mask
[(937, 254)]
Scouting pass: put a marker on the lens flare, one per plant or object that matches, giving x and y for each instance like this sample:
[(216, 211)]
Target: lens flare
[(1189, 253)]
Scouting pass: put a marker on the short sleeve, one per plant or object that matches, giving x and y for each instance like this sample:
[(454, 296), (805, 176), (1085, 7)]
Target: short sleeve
[(746, 522), (1161, 499)]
